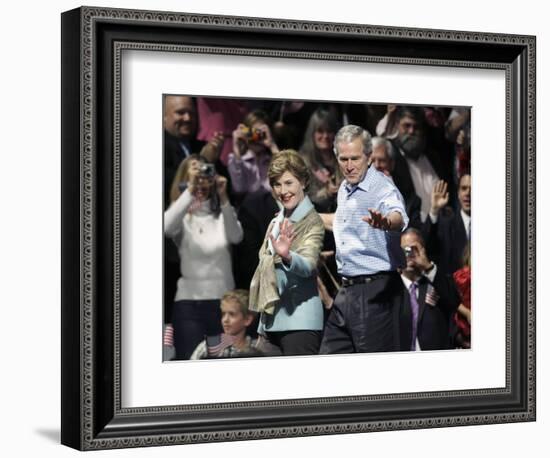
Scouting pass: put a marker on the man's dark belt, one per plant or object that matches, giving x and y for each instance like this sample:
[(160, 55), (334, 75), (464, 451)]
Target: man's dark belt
[(360, 279)]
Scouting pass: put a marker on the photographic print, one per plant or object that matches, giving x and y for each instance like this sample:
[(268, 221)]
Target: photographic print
[(304, 228)]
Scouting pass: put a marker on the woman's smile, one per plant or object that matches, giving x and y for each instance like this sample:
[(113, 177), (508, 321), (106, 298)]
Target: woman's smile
[(288, 190)]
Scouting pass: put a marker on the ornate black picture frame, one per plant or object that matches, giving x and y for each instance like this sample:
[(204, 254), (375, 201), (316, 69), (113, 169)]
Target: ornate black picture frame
[(92, 42)]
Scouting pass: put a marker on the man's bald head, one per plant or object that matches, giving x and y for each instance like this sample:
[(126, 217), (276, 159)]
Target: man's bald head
[(180, 116)]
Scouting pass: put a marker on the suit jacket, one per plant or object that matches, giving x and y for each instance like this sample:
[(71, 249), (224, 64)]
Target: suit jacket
[(434, 315), (402, 176), (446, 240)]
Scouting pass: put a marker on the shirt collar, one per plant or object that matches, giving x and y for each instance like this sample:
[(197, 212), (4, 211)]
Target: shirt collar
[(300, 211), (364, 184), (408, 282), (465, 217)]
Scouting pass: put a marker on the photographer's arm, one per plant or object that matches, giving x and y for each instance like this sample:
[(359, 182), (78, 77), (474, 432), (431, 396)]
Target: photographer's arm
[(174, 214), (233, 228)]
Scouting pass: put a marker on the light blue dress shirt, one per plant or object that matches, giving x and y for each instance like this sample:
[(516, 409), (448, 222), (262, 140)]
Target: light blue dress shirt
[(360, 248)]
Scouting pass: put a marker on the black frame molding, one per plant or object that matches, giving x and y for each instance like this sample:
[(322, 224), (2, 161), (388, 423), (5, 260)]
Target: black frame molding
[(92, 42)]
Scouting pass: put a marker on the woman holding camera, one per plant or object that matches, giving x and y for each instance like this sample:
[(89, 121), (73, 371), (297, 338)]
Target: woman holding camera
[(203, 225), (284, 286), (253, 147)]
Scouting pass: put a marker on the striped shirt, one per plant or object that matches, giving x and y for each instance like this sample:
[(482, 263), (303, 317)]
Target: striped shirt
[(361, 249)]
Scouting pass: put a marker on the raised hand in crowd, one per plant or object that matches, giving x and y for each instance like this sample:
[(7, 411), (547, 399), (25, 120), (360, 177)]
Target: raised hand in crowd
[(440, 197), (267, 141), (211, 151), (221, 189), (240, 140)]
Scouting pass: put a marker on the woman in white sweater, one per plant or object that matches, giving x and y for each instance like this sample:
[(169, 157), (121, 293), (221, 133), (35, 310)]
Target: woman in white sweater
[(203, 225)]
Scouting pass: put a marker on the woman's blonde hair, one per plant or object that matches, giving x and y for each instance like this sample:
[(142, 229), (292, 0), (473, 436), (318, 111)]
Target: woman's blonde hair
[(288, 161), (182, 175)]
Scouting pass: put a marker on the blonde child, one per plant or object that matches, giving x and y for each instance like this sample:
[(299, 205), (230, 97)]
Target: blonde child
[(233, 342)]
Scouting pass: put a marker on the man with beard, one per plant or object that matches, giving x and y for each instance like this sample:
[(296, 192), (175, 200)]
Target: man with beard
[(417, 168), (425, 301)]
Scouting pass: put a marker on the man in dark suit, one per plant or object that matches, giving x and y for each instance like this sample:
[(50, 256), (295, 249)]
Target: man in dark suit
[(449, 231), (426, 301)]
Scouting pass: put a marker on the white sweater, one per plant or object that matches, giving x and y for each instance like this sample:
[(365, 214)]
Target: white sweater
[(204, 245)]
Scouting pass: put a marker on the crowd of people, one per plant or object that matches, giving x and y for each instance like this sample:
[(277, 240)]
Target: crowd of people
[(291, 230)]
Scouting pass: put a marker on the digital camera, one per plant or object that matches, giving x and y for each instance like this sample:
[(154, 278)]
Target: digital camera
[(207, 170), (254, 135)]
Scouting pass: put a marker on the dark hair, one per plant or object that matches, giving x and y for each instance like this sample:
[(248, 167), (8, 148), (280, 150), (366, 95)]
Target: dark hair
[(256, 116), (417, 233), (465, 173), (417, 113)]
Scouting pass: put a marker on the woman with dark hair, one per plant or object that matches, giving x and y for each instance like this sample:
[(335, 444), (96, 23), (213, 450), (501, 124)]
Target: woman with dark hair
[(253, 147), (284, 286), (203, 225), (318, 152)]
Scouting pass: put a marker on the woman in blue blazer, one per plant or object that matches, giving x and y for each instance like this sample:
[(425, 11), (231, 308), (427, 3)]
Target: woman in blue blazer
[(284, 286)]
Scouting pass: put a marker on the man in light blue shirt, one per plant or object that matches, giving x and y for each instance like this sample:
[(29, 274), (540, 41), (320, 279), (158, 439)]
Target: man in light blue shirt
[(367, 225)]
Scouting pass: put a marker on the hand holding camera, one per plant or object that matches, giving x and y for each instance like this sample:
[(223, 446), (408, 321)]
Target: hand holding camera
[(221, 189), (416, 254), (245, 137), (240, 141), (201, 181)]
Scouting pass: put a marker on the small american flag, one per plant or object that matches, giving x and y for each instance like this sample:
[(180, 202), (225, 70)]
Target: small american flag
[(168, 338), (216, 345), (431, 296)]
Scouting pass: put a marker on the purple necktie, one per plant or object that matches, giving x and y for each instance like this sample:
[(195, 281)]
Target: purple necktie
[(414, 308)]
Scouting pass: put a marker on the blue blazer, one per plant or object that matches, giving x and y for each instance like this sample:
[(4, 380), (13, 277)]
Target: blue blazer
[(300, 307)]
